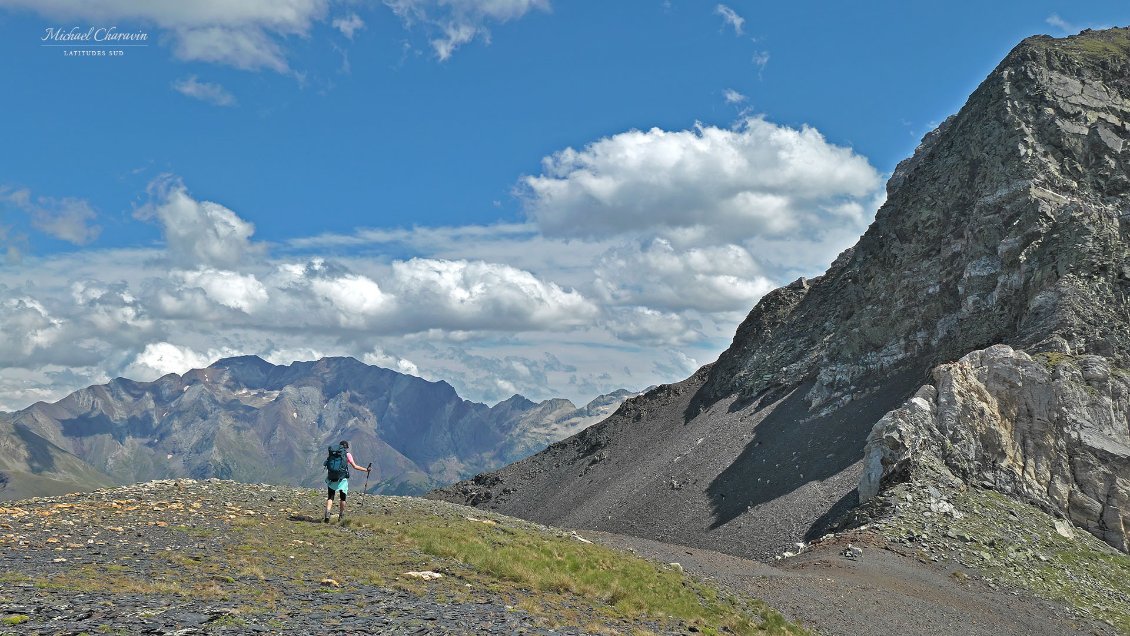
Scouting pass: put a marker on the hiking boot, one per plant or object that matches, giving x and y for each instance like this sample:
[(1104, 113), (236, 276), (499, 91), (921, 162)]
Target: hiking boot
[(326, 519)]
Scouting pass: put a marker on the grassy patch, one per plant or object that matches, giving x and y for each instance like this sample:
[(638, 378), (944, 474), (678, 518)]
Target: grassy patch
[(197, 532), (1095, 45), (494, 561), (15, 619), (511, 560), (173, 575), (229, 620), (1100, 47), (1052, 359)]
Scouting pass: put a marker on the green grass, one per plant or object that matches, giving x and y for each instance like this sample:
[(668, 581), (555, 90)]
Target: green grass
[(1052, 359), (199, 533), (1095, 45), (15, 619), (510, 560), (480, 560), (229, 620)]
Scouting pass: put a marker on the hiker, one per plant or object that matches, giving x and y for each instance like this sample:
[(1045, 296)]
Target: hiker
[(337, 478)]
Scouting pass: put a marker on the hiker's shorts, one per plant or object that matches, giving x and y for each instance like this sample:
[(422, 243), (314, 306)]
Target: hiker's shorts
[(341, 487)]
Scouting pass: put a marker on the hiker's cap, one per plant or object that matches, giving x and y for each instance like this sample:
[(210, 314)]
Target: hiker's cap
[(344, 444)]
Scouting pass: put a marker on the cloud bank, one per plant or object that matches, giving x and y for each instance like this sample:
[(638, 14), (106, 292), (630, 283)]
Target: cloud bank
[(640, 254)]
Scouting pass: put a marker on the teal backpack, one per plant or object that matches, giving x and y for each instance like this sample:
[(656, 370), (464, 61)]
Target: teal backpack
[(336, 464)]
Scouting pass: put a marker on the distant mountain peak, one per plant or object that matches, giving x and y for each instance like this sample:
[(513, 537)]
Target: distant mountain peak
[(517, 401), (244, 360)]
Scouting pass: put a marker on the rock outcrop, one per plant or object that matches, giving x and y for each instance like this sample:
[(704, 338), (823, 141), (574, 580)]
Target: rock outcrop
[(1051, 430), (1008, 226)]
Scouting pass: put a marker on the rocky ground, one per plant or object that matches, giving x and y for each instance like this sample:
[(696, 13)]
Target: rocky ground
[(212, 557), (978, 533), (185, 557)]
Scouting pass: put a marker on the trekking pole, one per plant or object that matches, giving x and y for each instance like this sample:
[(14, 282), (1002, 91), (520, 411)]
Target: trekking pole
[(368, 469)]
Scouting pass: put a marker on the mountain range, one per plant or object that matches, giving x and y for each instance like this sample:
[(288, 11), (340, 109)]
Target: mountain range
[(246, 419)]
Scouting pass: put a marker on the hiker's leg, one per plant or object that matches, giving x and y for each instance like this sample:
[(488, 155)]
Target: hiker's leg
[(329, 503), (341, 506)]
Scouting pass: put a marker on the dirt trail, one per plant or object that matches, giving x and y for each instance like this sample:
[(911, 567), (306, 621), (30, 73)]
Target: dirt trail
[(883, 592)]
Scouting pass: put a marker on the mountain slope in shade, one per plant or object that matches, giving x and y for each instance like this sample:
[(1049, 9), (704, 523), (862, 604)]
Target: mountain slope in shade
[(1009, 226), (245, 419), (31, 465)]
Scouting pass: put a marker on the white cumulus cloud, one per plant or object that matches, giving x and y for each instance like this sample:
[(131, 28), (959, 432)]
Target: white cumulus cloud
[(230, 289), (476, 295), (161, 358), (27, 328), (198, 233), (707, 184), (677, 365), (355, 299), (379, 358), (650, 326), (110, 308), (659, 275)]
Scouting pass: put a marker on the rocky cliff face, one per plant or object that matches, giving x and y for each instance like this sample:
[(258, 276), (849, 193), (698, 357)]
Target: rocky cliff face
[(246, 419), (1051, 430), (1009, 225)]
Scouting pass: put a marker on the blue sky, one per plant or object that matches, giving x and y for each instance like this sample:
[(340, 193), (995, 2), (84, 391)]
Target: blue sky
[(550, 198)]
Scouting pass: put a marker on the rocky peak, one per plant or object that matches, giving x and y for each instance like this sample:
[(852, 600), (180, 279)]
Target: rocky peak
[(1006, 226), (250, 372), (515, 403)]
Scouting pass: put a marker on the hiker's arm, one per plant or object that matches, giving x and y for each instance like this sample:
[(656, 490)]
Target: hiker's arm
[(356, 467)]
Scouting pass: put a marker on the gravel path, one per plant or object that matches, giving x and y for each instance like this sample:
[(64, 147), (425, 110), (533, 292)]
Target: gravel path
[(882, 592)]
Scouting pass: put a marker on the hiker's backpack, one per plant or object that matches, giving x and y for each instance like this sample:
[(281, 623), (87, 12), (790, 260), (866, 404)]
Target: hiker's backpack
[(336, 465)]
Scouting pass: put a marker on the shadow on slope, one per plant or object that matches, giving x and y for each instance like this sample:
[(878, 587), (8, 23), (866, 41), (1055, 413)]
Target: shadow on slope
[(790, 447), (40, 459)]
